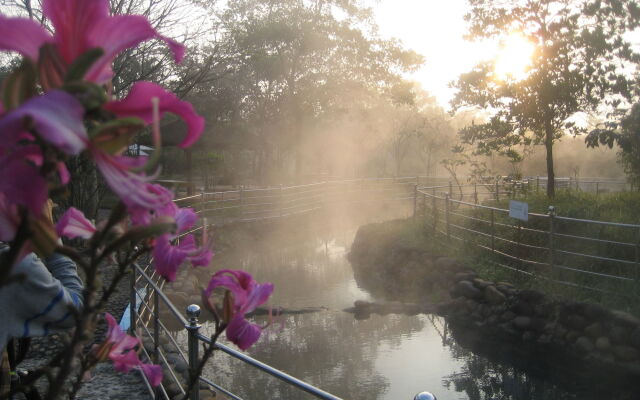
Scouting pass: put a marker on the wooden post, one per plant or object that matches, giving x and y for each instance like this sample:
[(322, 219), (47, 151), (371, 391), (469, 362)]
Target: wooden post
[(434, 210), (493, 232), (475, 193), (497, 191), (552, 214)]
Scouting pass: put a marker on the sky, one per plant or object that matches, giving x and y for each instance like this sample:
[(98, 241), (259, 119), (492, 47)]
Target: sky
[(435, 29)]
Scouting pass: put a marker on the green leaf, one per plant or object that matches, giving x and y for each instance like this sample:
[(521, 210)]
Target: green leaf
[(81, 65)]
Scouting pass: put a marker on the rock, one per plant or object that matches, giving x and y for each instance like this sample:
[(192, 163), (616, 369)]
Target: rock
[(508, 316), (531, 296), (494, 296), (620, 335), (505, 284), (634, 338), (595, 312), (572, 336), (559, 331), (481, 283), (528, 336), (522, 322), (625, 353), (206, 395), (466, 289), (603, 343), (522, 308), (172, 389), (594, 330), (544, 339), (625, 319), (576, 322), (507, 290), (585, 344)]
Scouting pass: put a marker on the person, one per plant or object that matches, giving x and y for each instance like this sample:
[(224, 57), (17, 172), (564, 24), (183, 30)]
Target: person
[(38, 304)]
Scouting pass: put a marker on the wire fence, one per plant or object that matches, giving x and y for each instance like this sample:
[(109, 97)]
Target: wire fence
[(154, 316), (545, 247), (596, 256)]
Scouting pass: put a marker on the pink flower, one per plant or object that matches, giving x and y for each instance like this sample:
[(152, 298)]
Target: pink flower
[(120, 348), (247, 294), (82, 25), (73, 224), (56, 116), (138, 104)]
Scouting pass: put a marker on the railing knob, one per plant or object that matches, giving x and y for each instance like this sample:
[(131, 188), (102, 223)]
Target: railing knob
[(425, 396), (552, 211), (193, 312)]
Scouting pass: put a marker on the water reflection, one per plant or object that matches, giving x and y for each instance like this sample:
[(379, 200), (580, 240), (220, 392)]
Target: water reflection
[(389, 357)]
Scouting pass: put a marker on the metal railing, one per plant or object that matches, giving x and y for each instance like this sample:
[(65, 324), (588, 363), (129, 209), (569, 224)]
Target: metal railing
[(217, 208), (596, 256)]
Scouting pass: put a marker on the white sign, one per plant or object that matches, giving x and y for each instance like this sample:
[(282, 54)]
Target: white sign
[(519, 210)]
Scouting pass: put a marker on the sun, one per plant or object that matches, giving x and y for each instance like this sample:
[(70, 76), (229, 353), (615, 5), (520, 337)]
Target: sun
[(513, 58)]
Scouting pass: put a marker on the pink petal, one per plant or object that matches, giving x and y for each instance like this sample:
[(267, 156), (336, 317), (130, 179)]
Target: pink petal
[(153, 373), (56, 116), (73, 224), (15, 173), (124, 362), (72, 20), (22, 35), (201, 258), (133, 188), (167, 258), (118, 33), (138, 104), (144, 214), (258, 296), (243, 333), (185, 218), (65, 176)]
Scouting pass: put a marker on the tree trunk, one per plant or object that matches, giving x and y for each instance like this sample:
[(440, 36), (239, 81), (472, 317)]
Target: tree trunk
[(551, 184)]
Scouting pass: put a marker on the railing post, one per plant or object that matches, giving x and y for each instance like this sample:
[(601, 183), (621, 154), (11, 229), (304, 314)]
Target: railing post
[(552, 228), (415, 200), (637, 274), (497, 191), (193, 312), (446, 211), (132, 302), (241, 195), (450, 188), (156, 334), (597, 188), (537, 184), (204, 202)]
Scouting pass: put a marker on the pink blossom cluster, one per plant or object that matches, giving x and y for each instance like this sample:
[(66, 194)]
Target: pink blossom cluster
[(58, 105), (63, 113)]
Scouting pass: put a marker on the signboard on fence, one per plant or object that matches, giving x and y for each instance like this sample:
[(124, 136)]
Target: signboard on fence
[(519, 210)]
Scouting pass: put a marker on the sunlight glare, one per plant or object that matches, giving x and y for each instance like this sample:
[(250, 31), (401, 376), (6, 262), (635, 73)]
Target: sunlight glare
[(514, 57)]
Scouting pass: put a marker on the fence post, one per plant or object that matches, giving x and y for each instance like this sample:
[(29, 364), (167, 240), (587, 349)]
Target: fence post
[(497, 191), (193, 312), (552, 214), (132, 302), (434, 209), (597, 188), (446, 210), (204, 201), (537, 183), (415, 200), (241, 195), (493, 232), (475, 193), (450, 188)]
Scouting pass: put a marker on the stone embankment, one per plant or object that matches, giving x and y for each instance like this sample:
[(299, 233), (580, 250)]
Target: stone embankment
[(595, 337)]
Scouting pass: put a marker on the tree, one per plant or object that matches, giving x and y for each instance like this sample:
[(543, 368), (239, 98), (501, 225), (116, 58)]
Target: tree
[(577, 66), (626, 134), (300, 65)]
